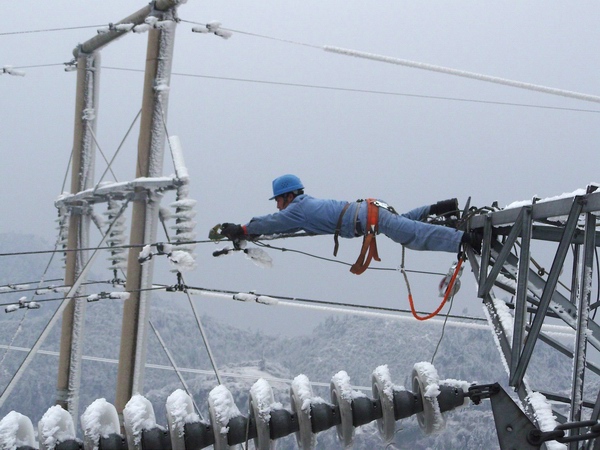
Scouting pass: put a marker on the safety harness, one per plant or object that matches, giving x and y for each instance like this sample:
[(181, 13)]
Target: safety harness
[(368, 251)]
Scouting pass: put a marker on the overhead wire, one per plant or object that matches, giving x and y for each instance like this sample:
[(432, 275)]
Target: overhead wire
[(363, 91), (47, 30)]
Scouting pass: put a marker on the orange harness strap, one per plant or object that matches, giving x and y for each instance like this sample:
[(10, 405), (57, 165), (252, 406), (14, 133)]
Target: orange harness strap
[(369, 247)]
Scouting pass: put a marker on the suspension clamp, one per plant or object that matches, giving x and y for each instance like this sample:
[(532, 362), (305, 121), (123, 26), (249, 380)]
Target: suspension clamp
[(479, 392)]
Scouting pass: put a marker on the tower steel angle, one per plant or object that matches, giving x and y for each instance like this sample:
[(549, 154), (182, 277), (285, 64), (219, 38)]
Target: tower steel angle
[(506, 268)]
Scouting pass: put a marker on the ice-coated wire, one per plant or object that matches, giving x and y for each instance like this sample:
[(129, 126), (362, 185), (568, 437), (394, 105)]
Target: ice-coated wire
[(463, 73)]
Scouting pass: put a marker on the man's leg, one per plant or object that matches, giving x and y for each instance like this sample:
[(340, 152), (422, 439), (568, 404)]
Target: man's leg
[(418, 235)]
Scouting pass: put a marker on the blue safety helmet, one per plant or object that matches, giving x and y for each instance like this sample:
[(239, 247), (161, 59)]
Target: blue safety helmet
[(286, 183)]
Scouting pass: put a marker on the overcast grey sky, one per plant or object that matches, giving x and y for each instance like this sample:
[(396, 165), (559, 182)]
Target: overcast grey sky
[(424, 137)]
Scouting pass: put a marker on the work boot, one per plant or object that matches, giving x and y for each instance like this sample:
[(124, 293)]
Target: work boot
[(444, 208), (473, 239)]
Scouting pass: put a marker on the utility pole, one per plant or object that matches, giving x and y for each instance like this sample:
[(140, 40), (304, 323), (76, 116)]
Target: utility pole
[(146, 204), (145, 210), (82, 178)]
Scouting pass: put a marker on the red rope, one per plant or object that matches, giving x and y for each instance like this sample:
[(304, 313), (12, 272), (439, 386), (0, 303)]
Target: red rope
[(446, 295)]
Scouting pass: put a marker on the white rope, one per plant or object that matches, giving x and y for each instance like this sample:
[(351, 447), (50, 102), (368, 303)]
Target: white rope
[(463, 73)]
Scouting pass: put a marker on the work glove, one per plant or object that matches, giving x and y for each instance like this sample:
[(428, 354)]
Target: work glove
[(232, 231), (444, 207)]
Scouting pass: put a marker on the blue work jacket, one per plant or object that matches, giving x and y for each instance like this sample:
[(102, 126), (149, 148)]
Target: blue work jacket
[(315, 216)]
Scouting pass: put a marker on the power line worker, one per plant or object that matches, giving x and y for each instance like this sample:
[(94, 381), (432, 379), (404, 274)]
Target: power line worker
[(298, 211)]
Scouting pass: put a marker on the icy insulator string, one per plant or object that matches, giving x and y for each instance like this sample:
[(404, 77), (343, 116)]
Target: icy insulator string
[(116, 237), (463, 73), (63, 232)]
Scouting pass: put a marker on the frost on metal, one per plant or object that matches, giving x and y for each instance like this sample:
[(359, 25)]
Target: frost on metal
[(544, 417)]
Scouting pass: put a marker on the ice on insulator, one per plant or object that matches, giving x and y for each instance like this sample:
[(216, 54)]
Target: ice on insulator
[(93, 297), (16, 430), (103, 30), (243, 297), (138, 415), (263, 395), (55, 426), (182, 261), (11, 308), (184, 214), (383, 374), (124, 26), (186, 225), (119, 295), (302, 387), (222, 407), (302, 398), (151, 20), (225, 34), (200, 29), (141, 28), (62, 289), (43, 291), (266, 300), (259, 257), (180, 411), (426, 381), (19, 287), (99, 420), (213, 25), (184, 203), (10, 70), (342, 380), (33, 305)]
